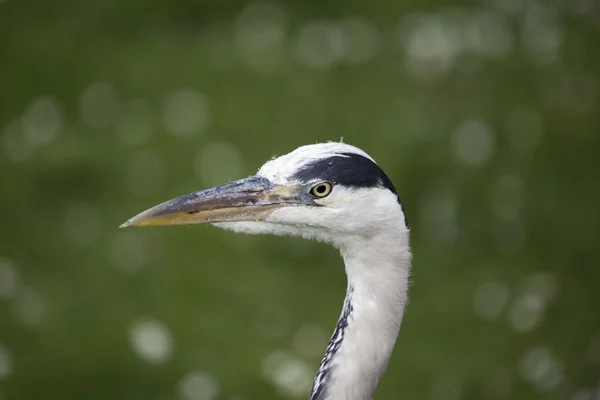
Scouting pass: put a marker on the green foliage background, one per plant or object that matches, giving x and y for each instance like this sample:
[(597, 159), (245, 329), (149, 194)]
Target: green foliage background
[(504, 300)]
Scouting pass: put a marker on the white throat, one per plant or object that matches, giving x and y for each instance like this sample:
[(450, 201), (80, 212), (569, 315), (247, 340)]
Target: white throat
[(358, 353)]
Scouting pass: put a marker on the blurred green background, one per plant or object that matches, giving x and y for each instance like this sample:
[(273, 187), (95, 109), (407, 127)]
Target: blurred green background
[(484, 113)]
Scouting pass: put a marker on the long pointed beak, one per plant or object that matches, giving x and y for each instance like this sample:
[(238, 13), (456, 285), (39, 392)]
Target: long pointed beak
[(250, 199)]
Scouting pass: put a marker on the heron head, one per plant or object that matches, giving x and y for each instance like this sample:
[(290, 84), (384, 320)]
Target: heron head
[(327, 192)]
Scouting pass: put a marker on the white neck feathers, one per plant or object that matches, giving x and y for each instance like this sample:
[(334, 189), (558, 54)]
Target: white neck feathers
[(358, 353)]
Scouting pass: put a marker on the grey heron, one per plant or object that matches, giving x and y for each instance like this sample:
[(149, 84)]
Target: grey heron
[(335, 193)]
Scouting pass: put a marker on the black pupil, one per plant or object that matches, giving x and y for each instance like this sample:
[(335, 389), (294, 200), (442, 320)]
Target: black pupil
[(321, 189)]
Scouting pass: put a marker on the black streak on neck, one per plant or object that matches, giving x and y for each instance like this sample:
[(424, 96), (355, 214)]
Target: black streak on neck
[(350, 170), (321, 382)]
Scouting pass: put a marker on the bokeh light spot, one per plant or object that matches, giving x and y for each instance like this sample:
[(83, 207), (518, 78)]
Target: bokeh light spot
[(15, 145), (198, 385), (186, 113), (151, 340), (540, 367), (577, 92), (543, 284), (438, 212), (320, 45), (431, 45), (473, 142), (541, 33), (585, 394), (136, 124), (6, 362), (260, 31), (487, 33), (527, 311), (128, 252), (29, 307), (593, 352), (99, 105), (447, 387), (489, 300), (9, 279), (362, 39), (290, 375), (218, 163), (42, 121)]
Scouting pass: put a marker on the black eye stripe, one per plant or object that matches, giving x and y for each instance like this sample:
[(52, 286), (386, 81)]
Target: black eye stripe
[(348, 169)]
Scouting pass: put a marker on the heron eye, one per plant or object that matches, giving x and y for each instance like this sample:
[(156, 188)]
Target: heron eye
[(321, 190)]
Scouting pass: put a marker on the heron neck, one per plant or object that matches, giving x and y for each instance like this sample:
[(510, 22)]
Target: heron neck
[(359, 350)]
